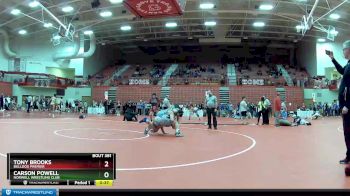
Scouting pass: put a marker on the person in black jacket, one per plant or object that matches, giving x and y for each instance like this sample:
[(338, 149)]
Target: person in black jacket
[(344, 96)]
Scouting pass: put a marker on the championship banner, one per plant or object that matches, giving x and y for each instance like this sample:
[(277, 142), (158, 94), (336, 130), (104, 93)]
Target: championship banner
[(155, 8), (258, 82), (139, 82)]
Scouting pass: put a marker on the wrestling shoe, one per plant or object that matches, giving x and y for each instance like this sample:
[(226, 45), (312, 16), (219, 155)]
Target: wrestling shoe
[(146, 131), (344, 161), (178, 133)]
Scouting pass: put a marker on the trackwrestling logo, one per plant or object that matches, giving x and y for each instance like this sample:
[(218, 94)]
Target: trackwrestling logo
[(34, 192), (8, 192)]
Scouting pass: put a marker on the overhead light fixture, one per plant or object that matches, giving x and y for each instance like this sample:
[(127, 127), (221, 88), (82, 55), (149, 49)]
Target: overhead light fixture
[(15, 12), (299, 27), (56, 37), (67, 9), (334, 32), (22, 32), (47, 25), (116, 1), (266, 7), (106, 14), (171, 24), (206, 6), (210, 23), (334, 16), (321, 40), (88, 32), (258, 24), (33, 4), (125, 28)]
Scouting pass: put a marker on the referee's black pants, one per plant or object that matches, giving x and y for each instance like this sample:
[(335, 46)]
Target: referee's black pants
[(346, 128), (211, 112)]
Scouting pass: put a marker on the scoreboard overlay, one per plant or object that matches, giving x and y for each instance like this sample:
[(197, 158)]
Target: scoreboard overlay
[(78, 169)]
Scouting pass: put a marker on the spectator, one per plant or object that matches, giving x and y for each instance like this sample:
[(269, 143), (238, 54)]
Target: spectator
[(277, 107)]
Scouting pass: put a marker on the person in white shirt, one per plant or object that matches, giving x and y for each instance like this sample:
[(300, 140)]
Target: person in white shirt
[(29, 103), (243, 108), (211, 104)]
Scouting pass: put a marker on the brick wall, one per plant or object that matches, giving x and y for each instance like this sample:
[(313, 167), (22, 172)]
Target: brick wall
[(6, 88), (98, 93), (194, 94), (252, 93), (136, 93), (295, 96)]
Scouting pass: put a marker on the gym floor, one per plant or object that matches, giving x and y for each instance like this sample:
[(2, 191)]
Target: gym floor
[(233, 157)]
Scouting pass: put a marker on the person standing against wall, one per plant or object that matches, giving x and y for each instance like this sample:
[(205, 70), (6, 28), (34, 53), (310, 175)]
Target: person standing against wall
[(277, 108), (211, 104), (266, 111), (29, 103), (261, 108), (344, 96)]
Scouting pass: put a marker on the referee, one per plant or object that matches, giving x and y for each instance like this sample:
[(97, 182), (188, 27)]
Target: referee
[(344, 97), (212, 104)]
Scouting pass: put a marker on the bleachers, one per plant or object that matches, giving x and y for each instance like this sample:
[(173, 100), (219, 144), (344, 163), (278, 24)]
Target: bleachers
[(99, 78), (203, 74), (263, 70), (140, 72)]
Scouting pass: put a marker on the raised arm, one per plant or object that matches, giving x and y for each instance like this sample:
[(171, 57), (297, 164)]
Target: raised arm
[(339, 68)]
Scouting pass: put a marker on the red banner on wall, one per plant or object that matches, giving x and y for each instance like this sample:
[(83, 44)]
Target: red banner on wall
[(154, 8)]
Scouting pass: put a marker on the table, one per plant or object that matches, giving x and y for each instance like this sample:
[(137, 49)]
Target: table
[(187, 113), (96, 110), (305, 114)]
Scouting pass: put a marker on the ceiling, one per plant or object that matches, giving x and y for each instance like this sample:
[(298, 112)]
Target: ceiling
[(234, 20)]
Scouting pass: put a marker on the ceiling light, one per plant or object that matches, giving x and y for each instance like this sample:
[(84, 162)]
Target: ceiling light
[(106, 14), (321, 40), (206, 6), (171, 24), (210, 23), (265, 7), (67, 9), (125, 28), (88, 32), (299, 27), (33, 4), (258, 24), (334, 32), (334, 16), (15, 11), (116, 1), (22, 32), (47, 25), (56, 37)]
